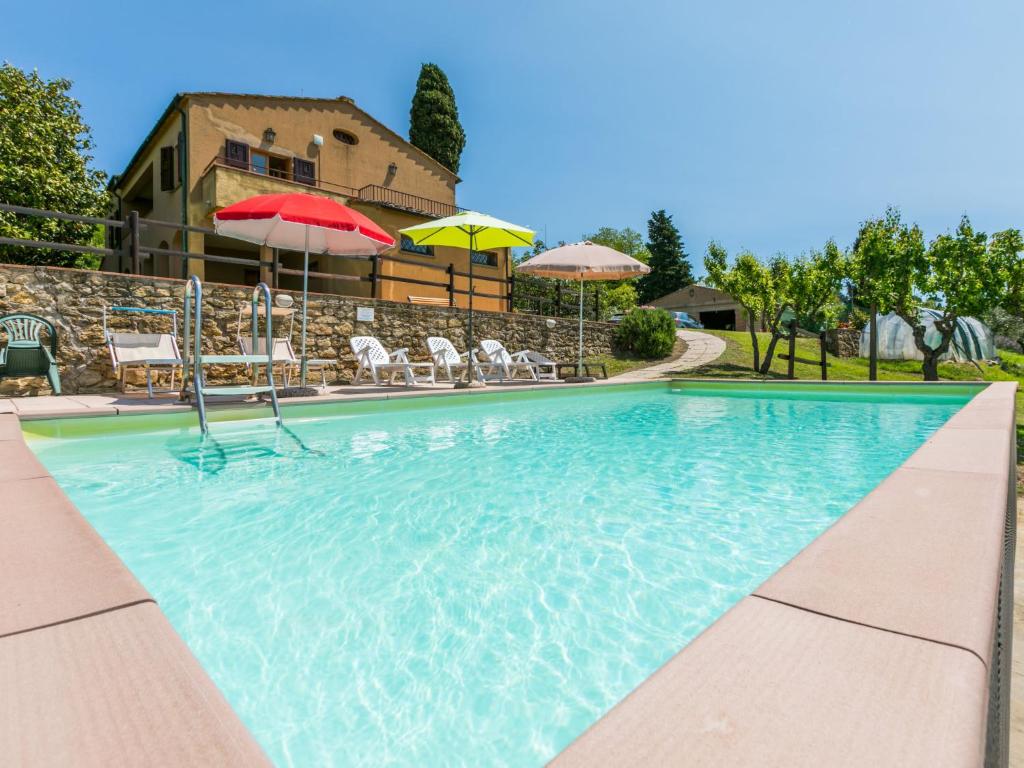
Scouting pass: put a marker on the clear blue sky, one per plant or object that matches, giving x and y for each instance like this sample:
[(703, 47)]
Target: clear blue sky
[(770, 126)]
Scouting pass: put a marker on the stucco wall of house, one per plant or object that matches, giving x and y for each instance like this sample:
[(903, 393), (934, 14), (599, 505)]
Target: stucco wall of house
[(213, 119)]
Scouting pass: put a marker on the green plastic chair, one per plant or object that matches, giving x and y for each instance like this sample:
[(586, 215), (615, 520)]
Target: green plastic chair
[(25, 354)]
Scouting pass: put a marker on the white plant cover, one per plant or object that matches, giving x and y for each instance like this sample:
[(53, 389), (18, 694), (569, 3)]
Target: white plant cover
[(972, 340)]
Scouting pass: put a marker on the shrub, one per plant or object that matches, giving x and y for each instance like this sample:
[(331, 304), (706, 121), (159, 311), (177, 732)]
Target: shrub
[(647, 333)]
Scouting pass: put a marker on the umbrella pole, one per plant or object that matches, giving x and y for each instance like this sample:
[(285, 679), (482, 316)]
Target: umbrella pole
[(579, 370), (305, 301), (469, 335)]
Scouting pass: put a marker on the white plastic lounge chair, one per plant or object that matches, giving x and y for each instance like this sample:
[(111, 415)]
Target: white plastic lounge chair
[(546, 367), (149, 351), (504, 365), (373, 358), (447, 359)]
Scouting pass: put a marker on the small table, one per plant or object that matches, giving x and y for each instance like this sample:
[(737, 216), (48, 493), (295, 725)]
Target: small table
[(574, 367)]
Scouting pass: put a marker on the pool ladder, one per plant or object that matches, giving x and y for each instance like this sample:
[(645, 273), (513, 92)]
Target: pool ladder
[(193, 372)]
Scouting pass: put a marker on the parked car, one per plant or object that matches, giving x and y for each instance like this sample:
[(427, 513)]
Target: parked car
[(683, 320)]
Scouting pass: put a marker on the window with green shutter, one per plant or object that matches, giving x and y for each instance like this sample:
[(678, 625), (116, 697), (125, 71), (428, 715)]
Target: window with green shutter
[(236, 153), (166, 168), (304, 171)]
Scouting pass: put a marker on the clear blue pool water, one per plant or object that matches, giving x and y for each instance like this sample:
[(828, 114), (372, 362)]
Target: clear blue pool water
[(472, 580)]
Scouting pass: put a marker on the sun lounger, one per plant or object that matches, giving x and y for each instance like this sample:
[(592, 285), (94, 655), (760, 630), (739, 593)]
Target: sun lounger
[(447, 359), (504, 365), (284, 355), (283, 352), (378, 362), (149, 351), (546, 367), (25, 354)]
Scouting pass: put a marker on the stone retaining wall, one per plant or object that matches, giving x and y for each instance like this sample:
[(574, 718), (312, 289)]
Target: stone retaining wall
[(843, 342), (73, 300)]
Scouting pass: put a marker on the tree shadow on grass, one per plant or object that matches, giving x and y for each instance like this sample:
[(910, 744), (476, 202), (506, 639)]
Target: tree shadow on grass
[(727, 371)]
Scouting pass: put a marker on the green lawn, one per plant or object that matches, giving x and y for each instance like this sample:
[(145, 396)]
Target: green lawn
[(736, 360)]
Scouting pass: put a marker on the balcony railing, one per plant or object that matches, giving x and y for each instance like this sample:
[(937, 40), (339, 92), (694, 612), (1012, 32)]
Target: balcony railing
[(404, 201), (371, 193), (277, 173)]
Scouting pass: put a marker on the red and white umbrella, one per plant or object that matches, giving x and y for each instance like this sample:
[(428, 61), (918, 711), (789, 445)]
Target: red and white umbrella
[(300, 221)]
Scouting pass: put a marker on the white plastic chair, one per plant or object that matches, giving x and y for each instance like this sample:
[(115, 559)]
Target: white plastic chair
[(505, 365), (373, 358), (546, 367), (446, 358)]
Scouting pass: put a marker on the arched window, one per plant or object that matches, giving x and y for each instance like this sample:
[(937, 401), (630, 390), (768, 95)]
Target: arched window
[(345, 137)]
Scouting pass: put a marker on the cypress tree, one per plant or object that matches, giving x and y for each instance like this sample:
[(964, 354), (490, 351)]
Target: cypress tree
[(670, 266), (434, 118)]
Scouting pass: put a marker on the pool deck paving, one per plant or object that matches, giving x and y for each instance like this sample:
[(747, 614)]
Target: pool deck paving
[(876, 645)]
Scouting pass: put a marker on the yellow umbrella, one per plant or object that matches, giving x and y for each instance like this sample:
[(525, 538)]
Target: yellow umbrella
[(470, 230)]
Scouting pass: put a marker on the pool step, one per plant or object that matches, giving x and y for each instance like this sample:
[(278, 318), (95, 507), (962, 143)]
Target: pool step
[(234, 360), (239, 390)]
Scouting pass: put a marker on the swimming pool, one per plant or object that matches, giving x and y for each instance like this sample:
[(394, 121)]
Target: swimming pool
[(472, 579)]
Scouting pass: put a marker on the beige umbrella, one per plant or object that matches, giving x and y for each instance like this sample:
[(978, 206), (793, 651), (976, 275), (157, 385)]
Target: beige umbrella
[(583, 261)]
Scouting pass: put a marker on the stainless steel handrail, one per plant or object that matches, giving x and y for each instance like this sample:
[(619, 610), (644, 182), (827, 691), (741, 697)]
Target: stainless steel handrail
[(192, 313), (193, 357), (264, 290)]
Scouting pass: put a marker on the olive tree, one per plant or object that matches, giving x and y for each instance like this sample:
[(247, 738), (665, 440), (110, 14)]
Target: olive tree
[(960, 274), (886, 257), (1007, 248), (804, 288), (747, 281)]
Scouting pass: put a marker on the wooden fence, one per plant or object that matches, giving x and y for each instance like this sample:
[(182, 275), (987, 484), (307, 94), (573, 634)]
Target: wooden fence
[(129, 250)]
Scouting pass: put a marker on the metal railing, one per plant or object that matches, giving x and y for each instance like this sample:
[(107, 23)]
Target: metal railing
[(541, 296), (265, 172), (371, 193), (404, 201)]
